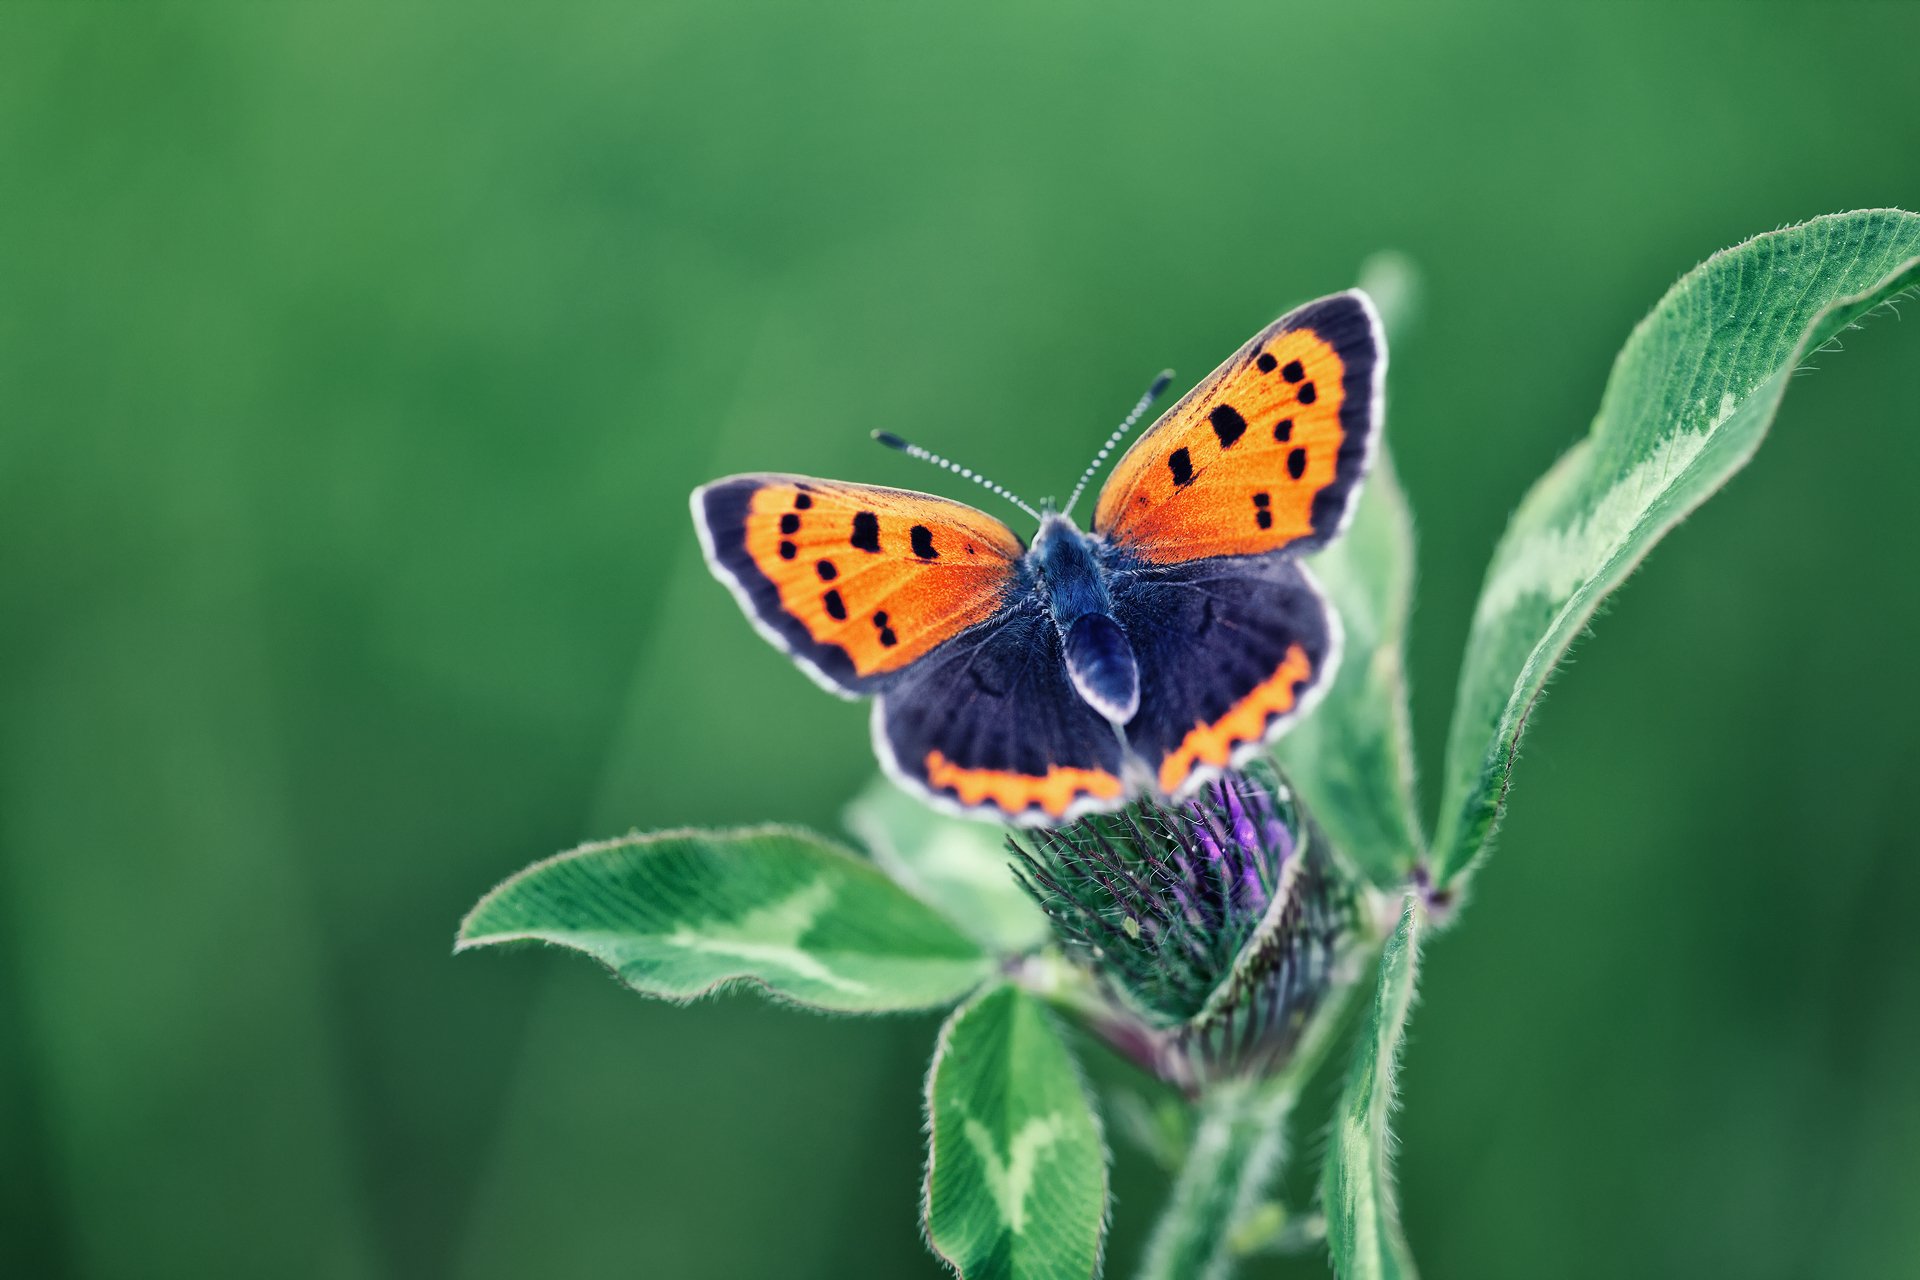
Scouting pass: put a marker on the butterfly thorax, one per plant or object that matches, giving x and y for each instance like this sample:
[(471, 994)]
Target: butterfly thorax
[(1099, 659)]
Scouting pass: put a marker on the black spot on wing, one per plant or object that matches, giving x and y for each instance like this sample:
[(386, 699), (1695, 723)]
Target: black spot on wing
[(836, 607), (1307, 393), (1283, 430), (1180, 462), (826, 570), (790, 523), (726, 513), (1293, 372), (1228, 425), (922, 538), (866, 532), (1266, 362), (787, 550), (1297, 463)]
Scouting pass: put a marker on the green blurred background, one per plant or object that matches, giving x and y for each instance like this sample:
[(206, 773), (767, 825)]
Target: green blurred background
[(355, 363)]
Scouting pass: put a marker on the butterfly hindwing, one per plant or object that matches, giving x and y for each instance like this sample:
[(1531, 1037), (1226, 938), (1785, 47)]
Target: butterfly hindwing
[(1266, 453), (989, 726), (855, 582), (1230, 652)]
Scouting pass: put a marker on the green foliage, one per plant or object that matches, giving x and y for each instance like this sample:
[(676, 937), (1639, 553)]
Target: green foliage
[(1691, 396), (1016, 1169), (681, 914), (354, 359), (961, 868), (1363, 1225), (1016, 1181), (1352, 759)]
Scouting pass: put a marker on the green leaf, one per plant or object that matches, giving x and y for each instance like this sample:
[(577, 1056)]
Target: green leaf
[(958, 867), (680, 914), (1016, 1169), (1352, 758), (1690, 398), (1363, 1222)]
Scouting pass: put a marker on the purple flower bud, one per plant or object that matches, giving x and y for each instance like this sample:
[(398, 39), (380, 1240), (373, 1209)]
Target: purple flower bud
[(1214, 926)]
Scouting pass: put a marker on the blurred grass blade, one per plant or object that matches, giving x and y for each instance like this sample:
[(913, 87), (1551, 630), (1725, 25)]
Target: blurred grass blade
[(1016, 1170), (1352, 759), (958, 867), (1689, 400), (683, 913), (1363, 1222)]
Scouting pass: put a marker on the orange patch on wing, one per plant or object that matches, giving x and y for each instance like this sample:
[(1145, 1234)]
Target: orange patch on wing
[(1245, 722), (1054, 792), (847, 562), (1233, 469)]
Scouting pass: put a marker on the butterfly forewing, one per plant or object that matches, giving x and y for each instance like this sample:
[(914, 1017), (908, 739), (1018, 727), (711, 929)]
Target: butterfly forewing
[(1266, 453), (855, 581)]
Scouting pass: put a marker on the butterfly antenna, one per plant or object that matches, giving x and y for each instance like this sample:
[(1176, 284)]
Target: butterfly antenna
[(912, 450), (1119, 433)]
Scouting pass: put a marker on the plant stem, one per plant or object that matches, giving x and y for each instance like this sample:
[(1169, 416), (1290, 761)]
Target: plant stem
[(1234, 1159)]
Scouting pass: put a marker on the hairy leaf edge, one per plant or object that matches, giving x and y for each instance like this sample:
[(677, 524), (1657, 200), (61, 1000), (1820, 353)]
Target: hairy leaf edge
[(1454, 868), (940, 1045), (464, 941), (1383, 1096)]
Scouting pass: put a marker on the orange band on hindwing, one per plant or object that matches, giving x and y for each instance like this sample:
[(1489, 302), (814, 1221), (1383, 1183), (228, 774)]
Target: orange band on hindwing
[(1245, 722), (1054, 792)]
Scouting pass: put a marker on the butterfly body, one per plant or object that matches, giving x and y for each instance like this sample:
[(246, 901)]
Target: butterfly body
[(1068, 571), (1171, 641)]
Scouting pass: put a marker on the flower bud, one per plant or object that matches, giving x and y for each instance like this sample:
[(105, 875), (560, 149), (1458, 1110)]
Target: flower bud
[(1215, 926)]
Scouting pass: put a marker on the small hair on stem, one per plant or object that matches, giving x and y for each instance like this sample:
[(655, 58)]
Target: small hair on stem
[(912, 450), (1127, 424)]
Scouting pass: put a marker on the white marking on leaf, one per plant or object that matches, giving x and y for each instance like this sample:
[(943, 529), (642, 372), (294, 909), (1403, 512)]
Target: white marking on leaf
[(770, 935), (1555, 562), (1010, 1179)]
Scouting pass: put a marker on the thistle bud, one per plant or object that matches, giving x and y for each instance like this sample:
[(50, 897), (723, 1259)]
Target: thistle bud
[(1215, 927)]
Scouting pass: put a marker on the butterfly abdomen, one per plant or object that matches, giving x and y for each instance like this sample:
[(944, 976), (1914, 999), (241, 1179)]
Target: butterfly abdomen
[(1101, 664), (1099, 657)]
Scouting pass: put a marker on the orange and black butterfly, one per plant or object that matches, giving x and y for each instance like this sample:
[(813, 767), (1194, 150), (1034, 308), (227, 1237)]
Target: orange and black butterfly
[(1037, 683)]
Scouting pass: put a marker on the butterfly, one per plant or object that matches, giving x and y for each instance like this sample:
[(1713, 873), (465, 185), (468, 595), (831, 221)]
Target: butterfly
[(1034, 684)]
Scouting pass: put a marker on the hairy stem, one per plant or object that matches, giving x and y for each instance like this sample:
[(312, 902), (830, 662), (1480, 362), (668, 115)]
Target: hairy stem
[(1234, 1160)]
